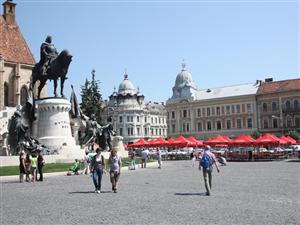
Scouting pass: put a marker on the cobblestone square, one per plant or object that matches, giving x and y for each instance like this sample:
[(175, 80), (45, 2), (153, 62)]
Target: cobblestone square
[(243, 193)]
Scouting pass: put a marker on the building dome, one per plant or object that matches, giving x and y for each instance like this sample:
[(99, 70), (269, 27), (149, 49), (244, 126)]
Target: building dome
[(126, 87), (184, 78)]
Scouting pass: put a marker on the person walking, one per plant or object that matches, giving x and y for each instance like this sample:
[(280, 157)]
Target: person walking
[(28, 167), (132, 156), (207, 159), (22, 166), (86, 163), (40, 165), (144, 155), (33, 166), (159, 158), (97, 169), (115, 164), (193, 157)]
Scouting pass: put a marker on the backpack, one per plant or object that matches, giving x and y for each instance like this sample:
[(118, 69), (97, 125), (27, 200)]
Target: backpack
[(206, 161)]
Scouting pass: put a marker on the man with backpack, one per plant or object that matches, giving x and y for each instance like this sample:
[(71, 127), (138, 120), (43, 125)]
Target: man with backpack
[(207, 159)]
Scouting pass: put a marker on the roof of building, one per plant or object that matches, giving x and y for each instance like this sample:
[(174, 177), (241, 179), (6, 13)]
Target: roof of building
[(279, 86), (126, 87), (13, 47), (225, 92), (155, 107)]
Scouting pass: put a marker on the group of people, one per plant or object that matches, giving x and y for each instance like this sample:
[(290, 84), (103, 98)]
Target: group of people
[(206, 161), (31, 164), (98, 167), (144, 158)]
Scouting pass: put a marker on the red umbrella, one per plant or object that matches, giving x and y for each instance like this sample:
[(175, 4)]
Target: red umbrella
[(249, 138), (151, 143), (170, 141), (286, 139), (195, 142), (160, 142), (243, 140), (218, 140), (267, 139), (181, 142), (139, 143), (293, 141)]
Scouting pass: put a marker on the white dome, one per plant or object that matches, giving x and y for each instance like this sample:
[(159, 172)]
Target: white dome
[(184, 77), (126, 87)]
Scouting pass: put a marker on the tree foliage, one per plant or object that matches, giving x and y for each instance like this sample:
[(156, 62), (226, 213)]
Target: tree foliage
[(256, 134), (294, 134), (91, 98)]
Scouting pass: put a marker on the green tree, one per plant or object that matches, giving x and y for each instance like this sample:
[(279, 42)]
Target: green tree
[(91, 98), (294, 134), (256, 134)]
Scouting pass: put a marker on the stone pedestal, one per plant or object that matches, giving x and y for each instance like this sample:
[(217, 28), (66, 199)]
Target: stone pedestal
[(117, 143), (53, 123)]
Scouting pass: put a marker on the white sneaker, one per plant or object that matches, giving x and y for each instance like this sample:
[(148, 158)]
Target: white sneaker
[(98, 192)]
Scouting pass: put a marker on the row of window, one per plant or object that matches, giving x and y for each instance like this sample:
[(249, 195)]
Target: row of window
[(209, 111), (147, 132), (287, 105), (154, 120), (275, 123), (218, 125)]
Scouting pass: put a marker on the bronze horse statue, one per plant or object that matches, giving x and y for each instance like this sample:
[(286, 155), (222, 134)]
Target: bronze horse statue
[(57, 69)]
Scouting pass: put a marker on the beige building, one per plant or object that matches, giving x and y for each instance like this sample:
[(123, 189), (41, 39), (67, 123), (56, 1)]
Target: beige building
[(204, 113), (278, 104), (133, 118)]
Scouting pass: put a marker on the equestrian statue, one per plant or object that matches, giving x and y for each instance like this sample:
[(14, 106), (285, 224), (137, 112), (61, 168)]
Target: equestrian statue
[(51, 66)]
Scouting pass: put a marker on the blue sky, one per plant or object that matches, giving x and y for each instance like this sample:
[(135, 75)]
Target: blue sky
[(222, 42)]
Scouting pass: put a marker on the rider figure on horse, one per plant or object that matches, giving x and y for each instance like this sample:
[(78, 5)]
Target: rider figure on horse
[(48, 54)]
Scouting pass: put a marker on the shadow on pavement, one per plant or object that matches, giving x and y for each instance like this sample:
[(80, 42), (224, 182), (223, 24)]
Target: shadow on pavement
[(11, 182), (88, 192), (190, 194)]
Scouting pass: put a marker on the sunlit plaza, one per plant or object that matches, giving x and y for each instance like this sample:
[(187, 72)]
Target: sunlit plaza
[(242, 193), (205, 93)]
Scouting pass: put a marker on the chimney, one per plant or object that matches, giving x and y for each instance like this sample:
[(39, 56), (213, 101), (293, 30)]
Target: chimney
[(270, 79), (9, 12)]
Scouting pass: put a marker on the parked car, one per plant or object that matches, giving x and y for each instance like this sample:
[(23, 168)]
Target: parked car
[(296, 147)]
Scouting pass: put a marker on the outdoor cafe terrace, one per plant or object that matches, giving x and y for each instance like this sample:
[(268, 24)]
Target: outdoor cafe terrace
[(242, 148)]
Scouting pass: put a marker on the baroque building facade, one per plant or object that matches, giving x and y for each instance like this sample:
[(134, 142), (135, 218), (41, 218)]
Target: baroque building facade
[(132, 117), (227, 110), (278, 104)]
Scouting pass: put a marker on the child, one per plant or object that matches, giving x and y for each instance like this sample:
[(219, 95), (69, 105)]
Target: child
[(74, 168)]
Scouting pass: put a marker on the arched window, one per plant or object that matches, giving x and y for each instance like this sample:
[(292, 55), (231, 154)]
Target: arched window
[(289, 122), (288, 104), (265, 107), (24, 95), (6, 90), (275, 123), (297, 122), (266, 124), (274, 106), (296, 104)]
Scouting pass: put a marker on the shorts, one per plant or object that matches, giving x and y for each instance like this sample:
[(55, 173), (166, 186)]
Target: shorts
[(114, 176)]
